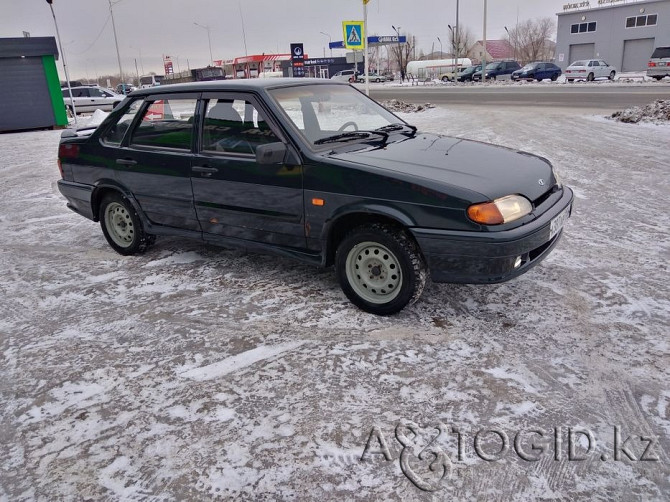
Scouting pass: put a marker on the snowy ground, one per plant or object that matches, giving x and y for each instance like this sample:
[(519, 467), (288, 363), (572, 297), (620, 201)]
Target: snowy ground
[(194, 372)]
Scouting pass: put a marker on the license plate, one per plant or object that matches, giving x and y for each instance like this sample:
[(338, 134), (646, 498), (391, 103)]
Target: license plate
[(558, 222)]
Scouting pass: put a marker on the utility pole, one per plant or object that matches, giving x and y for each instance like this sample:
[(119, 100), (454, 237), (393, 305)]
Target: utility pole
[(329, 42), (484, 56), (209, 41), (402, 72), (67, 76), (116, 41)]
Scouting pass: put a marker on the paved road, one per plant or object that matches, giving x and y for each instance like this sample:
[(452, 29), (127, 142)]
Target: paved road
[(599, 96)]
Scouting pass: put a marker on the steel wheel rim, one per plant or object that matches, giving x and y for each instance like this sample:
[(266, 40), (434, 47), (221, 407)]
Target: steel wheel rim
[(374, 272), (119, 224)]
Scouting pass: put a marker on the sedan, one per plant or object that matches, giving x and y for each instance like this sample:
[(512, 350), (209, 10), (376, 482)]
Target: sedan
[(89, 98), (589, 70), (537, 71), (316, 171), (466, 75)]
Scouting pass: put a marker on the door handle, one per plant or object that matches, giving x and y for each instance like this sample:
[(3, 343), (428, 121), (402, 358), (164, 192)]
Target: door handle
[(204, 170), (126, 162)]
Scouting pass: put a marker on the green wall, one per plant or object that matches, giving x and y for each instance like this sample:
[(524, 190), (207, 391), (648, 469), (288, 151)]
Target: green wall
[(53, 83)]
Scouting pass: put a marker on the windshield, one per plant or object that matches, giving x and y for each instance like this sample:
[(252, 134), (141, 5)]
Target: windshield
[(529, 66), (323, 111)]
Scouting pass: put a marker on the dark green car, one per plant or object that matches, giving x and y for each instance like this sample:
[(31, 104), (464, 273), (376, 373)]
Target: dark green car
[(316, 171)]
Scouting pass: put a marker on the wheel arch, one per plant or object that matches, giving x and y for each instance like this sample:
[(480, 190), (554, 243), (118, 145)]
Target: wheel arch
[(104, 187), (341, 224)]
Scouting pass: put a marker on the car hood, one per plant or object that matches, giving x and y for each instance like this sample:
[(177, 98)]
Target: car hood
[(440, 161)]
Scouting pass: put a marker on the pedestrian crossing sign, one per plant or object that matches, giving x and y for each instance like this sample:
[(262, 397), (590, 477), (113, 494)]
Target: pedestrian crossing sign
[(353, 34)]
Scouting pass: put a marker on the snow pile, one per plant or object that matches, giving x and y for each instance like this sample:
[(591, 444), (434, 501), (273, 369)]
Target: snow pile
[(395, 105), (657, 112)]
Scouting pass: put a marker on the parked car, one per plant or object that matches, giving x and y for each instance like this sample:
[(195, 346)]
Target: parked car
[(589, 70), (317, 171), (125, 88), (372, 77), (345, 76), (659, 64), (466, 75), (537, 71), (497, 69), (389, 76), (89, 98), (450, 76)]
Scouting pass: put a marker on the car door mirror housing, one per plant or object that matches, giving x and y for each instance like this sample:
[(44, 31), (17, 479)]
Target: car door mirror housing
[(271, 153)]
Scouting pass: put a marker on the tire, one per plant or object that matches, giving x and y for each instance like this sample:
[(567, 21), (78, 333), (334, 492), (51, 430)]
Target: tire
[(591, 77), (121, 225), (445, 79), (554, 77), (571, 80), (659, 78), (612, 74), (396, 271)]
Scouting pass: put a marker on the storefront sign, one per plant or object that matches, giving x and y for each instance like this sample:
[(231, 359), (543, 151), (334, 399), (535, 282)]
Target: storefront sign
[(580, 5), (298, 60)]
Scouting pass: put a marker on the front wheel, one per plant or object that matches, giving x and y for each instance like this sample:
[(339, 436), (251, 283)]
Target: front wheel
[(121, 225), (612, 73), (380, 269), (554, 77)]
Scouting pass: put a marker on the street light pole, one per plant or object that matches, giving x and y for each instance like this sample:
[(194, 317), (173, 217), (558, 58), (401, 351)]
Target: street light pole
[(329, 42), (67, 76), (209, 41), (438, 39), (116, 41)]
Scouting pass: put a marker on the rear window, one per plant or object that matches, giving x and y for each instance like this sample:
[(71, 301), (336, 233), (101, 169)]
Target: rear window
[(661, 52), (579, 63)]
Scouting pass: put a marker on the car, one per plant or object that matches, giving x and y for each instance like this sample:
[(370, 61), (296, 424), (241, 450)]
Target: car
[(372, 77), (538, 71), (589, 70), (88, 98), (659, 63), (451, 75), (389, 76), (124, 88), (497, 69), (350, 76), (466, 75), (317, 171)]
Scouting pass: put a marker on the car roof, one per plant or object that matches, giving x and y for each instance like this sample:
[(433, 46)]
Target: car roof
[(251, 84)]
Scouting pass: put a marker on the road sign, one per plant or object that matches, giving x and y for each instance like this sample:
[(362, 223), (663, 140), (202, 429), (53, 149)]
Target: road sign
[(353, 34)]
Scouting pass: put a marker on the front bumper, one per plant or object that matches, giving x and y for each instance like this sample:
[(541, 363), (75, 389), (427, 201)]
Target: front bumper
[(489, 257)]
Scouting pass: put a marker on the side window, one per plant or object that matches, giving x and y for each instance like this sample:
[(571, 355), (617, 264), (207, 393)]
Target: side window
[(114, 135), (235, 126), (96, 93), (166, 123), (81, 92)]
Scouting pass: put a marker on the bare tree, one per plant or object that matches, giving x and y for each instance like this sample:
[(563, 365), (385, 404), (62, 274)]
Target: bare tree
[(402, 53), (531, 39), (461, 41)]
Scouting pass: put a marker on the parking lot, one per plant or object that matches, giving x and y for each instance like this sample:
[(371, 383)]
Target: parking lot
[(195, 372)]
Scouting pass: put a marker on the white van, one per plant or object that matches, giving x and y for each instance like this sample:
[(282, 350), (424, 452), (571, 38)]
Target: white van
[(345, 76)]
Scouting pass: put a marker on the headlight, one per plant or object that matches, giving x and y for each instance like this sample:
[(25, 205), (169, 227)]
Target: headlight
[(559, 182), (503, 210)]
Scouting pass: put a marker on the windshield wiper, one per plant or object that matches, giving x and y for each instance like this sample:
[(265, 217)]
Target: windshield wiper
[(397, 127), (348, 136)]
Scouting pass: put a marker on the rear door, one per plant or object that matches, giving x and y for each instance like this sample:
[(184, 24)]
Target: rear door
[(234, 195), (154, 161)]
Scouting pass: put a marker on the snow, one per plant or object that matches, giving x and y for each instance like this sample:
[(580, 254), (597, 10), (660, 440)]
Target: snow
[(194, 372)]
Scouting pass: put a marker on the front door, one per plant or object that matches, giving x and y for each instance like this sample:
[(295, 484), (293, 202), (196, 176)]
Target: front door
[(234, 195)]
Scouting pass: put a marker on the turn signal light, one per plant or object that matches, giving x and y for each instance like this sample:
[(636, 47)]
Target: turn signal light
[(487, 213), (318, 202)]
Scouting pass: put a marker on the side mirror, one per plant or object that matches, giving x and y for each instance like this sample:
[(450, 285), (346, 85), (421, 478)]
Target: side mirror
[(271, 153)]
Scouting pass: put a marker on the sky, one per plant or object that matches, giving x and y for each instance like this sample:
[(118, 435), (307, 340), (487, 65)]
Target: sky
[(149, 29)]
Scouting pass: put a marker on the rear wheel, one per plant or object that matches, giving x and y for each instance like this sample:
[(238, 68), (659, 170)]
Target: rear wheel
[(658, 78), (612, 73), (122, 226), (591, 77), (445, 79), (571, 80), (380, 269)]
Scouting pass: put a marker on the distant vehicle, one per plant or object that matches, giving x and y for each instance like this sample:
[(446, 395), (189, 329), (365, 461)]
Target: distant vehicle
[(589, 70), (125, 88), (150, 81), (433, 68), (537, 71), (89, 98), (497, 69), (466, 75), (450, 76), (372, 77), (659, 64), (389, 76), (345, 76)]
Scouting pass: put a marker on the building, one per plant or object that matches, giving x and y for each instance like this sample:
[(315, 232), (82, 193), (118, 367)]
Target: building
[(31, 97), (623, 34), (496, 50)]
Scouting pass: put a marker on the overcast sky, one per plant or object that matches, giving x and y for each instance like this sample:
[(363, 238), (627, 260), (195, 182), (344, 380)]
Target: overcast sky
[(147, 29)]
